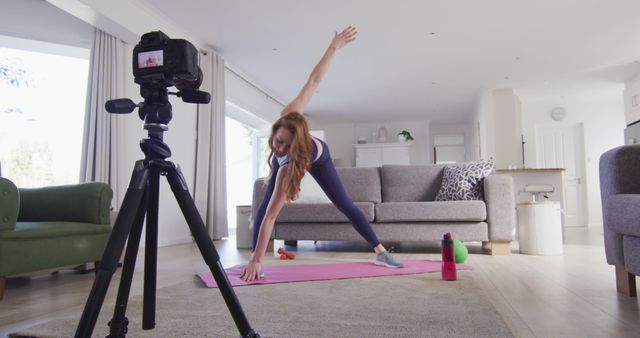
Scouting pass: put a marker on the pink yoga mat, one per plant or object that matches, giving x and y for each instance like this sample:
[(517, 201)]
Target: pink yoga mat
[(314, 272)]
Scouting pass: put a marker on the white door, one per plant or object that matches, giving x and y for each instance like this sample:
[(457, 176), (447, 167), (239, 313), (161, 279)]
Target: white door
[(563, 147), (449, 148), (449, 154)]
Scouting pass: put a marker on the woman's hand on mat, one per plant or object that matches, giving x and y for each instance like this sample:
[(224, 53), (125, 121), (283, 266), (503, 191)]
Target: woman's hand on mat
[(343, 38), (251, 271)]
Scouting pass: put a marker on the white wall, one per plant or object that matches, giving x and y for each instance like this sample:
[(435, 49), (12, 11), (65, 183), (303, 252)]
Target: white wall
[(342, 136), (484, 131), (340, 139), (250, 98), (39, 20), (507, 124), (124, 19), (602, 115)]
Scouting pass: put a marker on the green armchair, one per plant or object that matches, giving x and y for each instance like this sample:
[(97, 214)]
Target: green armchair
[(51, 227)]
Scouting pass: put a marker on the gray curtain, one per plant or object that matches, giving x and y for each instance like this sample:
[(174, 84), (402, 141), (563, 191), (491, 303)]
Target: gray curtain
[(103, 149), (210, 191)]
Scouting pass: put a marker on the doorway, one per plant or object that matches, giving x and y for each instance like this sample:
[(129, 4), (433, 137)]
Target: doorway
[(563, 147), (448, 148)]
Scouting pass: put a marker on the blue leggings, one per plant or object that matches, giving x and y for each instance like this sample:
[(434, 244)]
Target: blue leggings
[(323, 171)]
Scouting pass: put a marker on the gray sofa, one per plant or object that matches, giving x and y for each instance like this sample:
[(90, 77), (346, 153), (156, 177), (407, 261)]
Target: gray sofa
[(620, 195), (398, 200)]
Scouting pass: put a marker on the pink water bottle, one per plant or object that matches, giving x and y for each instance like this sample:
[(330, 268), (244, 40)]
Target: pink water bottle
[(448, 260)]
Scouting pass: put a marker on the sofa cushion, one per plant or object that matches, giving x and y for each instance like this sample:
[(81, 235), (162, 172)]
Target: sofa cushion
[(320, 212), (450, 211), (463, 181), (622, 214), (410, 183), (84, 202), (26, 231), (310, 191), (361, 184)]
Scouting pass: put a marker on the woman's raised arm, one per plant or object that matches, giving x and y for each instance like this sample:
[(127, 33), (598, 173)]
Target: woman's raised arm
[(302, 100)]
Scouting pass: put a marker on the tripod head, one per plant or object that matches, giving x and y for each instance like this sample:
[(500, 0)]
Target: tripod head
[(156, 113), (160, 62)]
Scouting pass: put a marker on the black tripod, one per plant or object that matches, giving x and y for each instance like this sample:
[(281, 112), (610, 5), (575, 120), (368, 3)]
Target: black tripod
[(142, 198)]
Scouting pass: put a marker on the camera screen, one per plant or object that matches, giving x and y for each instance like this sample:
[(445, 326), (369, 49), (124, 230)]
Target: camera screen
[(150, 59)]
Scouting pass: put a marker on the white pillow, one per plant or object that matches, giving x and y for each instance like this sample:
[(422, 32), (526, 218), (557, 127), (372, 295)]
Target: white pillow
[(310, 191)]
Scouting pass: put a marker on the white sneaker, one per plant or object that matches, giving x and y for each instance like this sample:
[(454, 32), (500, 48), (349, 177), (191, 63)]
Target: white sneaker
[(385, 259)]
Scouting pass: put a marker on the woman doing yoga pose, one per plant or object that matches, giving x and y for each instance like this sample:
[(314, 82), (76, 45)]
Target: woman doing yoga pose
[(293, 152)]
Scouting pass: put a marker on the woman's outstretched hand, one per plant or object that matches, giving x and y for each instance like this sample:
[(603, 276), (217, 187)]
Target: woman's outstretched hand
[(343, 38), (251, 272)]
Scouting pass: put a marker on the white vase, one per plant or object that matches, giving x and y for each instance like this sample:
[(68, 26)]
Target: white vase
[(402, 138), (382, 134)]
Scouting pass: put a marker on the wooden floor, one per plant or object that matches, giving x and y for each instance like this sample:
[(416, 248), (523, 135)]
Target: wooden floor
[(572, 295)]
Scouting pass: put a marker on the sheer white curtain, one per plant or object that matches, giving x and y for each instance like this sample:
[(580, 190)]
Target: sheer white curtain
[(103, 142), (210, 192)]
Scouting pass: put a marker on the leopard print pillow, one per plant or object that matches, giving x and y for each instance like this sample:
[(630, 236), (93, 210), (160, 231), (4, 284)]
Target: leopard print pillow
[(464, 181)]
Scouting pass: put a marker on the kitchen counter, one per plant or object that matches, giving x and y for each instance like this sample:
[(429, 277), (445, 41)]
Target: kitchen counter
[(529, 170), (536, 176)]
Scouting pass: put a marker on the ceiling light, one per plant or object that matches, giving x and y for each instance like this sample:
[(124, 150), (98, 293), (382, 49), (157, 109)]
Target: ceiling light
[(432, 33), (274, 49), (506, 78), (518, 58)]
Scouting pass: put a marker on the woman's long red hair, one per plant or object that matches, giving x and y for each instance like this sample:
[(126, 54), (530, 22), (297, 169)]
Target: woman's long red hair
[(299, 151)]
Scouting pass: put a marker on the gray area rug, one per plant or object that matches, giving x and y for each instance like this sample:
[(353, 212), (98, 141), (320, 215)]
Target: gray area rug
[(395, 306)]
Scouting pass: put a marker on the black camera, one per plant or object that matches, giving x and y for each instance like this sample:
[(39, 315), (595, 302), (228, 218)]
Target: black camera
[(160, 62), (163, 62)]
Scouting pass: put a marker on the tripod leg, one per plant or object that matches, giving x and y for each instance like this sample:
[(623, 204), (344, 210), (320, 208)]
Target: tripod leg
[(119, 323), (207, 249), (113, 250), (151, 251)]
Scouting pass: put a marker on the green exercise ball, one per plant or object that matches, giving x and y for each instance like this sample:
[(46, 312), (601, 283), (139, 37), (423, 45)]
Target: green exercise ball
[(460, 251)]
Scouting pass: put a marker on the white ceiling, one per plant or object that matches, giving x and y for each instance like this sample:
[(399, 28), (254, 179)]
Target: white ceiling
[(424, 59)]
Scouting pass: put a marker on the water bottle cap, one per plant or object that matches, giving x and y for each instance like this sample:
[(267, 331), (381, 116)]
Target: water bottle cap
[(447, 236)]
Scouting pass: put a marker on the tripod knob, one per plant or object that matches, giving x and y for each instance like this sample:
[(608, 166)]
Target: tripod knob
[(120, 106), (155, 148)]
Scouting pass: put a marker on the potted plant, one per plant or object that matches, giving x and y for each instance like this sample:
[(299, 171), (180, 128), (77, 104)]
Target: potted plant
[(404, 136)]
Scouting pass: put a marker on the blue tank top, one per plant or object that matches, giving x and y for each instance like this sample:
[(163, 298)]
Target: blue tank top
[(314, 153)]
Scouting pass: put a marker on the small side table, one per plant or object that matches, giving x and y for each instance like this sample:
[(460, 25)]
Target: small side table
[(540, 228), (243, 227)]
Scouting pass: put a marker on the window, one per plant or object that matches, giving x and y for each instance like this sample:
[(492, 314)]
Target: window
[(246, 108), (261, 153), (239, 152), (449, 148), (42, 103)]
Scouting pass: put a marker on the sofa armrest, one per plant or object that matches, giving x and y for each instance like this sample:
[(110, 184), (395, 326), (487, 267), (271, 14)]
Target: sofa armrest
[(84, 202), (620, 171), (9, 204), (259, 189), (619, 174), (623, 214), (501, 207)]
